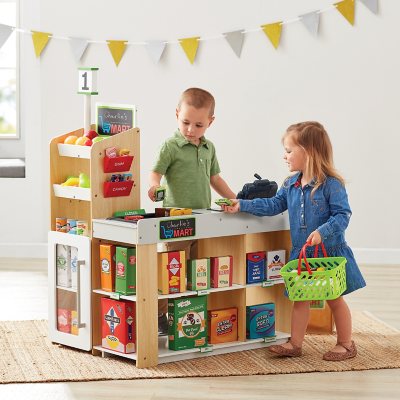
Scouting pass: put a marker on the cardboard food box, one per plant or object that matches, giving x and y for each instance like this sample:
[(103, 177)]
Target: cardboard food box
[(221, 271), (118, 328), (275, 261), (107, 264), (255, 267), (198, 274), (187, 323), (171, 272), (260, 321), (74, 322), (125, 260), (222, 325), (64, 320), (63, 264)]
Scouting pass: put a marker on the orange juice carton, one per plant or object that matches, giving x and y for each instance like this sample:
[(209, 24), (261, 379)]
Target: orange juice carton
[(222, 325), (74, 323), (64, 320), (171, 272), (118, 327), (107, 264), (74, 267), (255, 267), (275, 261), (63, 263), (198, 274), (221, 271), (187, 323), (125, 281), (260, 321)]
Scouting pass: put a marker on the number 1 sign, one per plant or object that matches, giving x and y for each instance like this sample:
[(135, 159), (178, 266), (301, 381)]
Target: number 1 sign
[(87, 81)]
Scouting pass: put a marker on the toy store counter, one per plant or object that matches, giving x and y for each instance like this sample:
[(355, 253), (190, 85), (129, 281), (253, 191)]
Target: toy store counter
[(199, 225)]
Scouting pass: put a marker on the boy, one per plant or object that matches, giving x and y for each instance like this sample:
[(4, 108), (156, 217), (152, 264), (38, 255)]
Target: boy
[(188, 161)]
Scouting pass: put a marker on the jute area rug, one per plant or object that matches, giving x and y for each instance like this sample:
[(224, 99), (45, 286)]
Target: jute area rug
[(27, 355)]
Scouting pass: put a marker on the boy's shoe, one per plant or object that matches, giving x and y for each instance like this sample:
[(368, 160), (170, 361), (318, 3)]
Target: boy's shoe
[(284, 352), (162, 325), (351, 351)]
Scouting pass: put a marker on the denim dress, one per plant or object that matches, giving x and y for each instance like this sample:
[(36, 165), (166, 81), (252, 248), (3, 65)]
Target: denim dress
[(328, 211)]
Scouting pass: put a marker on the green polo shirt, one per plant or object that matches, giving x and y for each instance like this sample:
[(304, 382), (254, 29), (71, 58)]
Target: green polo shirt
[(187, 170)]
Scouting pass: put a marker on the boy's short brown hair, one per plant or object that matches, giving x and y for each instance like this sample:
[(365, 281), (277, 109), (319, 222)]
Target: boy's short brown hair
[(198, 98)]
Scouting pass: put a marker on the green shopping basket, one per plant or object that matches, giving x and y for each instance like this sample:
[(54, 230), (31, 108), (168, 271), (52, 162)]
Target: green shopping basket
[(315, 278)]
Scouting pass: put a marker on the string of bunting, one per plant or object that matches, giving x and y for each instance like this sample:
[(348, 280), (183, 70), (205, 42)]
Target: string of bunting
[(190, 45)]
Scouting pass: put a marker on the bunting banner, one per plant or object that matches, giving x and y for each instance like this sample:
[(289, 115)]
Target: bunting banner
[(346, 8), (311, 22), (40, 40), (372, 5), (78, 47), (235, 40), (273, 31), (190, 46), (5, 32), (155, 48), (117, 49)]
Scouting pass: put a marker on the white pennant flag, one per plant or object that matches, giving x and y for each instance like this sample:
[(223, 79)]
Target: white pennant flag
[(155, 49), (78, 47), (372, 5), (235, 40), (5, 32), (311, 22)]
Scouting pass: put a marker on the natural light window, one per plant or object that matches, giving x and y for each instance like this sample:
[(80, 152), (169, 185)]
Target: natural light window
[(8, 71)]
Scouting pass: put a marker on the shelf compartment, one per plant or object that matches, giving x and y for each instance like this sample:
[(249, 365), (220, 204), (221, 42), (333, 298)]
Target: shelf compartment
[(72, 192), (117, 164), (74, 150), (117, 189)]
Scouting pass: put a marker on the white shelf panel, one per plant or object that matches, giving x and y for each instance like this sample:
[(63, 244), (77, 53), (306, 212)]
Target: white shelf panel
[(68, 289), (73, 150), (72, 192)]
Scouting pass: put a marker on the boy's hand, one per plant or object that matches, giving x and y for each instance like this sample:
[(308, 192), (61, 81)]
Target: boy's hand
[(152, 192), (234, 208), (314, 238)]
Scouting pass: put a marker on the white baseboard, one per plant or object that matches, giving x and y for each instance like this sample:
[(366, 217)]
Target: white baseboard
[(377, 256)]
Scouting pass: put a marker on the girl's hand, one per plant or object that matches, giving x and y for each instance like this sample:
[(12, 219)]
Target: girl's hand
[(314, 238), (234, 208)]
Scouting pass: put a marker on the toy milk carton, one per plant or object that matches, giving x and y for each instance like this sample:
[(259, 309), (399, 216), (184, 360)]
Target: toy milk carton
[(171, 272), (187, 323), (74, 267), (107, 264), (198, 274), (118, 327), (260, 321), (275, 261), (125, 260), (221, 271), (63, 264), (255, 267), (222, 326)]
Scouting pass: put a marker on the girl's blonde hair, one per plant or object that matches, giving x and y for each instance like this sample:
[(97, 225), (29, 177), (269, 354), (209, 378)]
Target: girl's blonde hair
[(313, 138)]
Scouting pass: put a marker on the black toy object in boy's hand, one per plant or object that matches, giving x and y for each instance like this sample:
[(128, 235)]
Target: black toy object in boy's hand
[(223, 202), (260, 188)]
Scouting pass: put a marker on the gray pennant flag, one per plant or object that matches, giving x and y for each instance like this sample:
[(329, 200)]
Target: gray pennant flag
[(78, 47), (155, 48), (235, 40), (5, 32), (311, 22), (372, 5)]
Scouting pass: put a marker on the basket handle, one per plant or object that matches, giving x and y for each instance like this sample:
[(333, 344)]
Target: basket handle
[(302, 255), (322, 248)]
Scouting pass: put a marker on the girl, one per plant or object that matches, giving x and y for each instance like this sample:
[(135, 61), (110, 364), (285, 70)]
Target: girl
[(316, 200)]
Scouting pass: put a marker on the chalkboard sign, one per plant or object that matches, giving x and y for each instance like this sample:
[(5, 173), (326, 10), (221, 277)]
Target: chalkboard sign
[(177, 228), (114, 118)]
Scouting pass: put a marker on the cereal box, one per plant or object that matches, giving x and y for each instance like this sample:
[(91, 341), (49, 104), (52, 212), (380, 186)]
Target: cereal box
[(107, 265), (171, 272), (255, 267), (64, 320), (118, 326), (125, 260), (63, 265), (221, 271), (222, 325), (260, 321), (198, 275), (275, 261), (74, 267), (187, 324)]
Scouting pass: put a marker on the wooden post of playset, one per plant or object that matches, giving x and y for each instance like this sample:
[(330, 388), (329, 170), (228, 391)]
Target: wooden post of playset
[(88, 87)]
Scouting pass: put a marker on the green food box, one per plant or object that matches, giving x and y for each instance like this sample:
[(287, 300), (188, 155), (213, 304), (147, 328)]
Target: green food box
[(187, 323), (198, 274), (125, 267)]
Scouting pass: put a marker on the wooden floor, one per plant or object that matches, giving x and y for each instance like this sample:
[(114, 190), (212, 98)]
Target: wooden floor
[(24, 284)]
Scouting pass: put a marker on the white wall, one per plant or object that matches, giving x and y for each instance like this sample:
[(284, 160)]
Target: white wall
[(347, 78)]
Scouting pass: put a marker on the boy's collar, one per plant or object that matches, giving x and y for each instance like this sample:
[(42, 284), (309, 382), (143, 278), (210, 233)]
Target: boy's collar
[(182, 141)]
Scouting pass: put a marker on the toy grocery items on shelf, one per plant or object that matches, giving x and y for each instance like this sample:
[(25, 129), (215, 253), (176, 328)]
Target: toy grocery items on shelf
[(82, 181), (67, 321), (107, 264), (72, 226), (275, 261), (221, 271), (66, 266), (125, 265), (198, 274), (223, 325), (172, 211), (255, 267), (171, 272), (260, 321)]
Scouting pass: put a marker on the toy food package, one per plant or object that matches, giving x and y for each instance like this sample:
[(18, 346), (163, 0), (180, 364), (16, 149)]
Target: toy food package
[(275, 261), (222, 325), (107, 264), (63, 264), (198, 274), (221, 271), (74, 323), (255, 267), (125, 260), (64, 320), (118, 327), (260, 321), (171, 272), (187, 324), (74, 267)]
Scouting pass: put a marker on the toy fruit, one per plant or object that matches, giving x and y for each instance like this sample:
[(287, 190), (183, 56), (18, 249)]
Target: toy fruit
[(88, 142), (84, 181), (82, 140), (91, 134), (70, 139), (71, 181), (98, 139)]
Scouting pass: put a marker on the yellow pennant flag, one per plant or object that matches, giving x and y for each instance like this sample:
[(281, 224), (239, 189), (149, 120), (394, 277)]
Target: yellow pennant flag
[(190, 46), (117, 48), (273, 31), (40, 40), (346, 8)]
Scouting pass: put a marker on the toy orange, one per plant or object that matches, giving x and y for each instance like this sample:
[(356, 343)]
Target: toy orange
[(70, 139)]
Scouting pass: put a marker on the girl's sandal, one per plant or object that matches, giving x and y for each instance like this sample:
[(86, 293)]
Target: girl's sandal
[(351, 351), (285, 352)]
